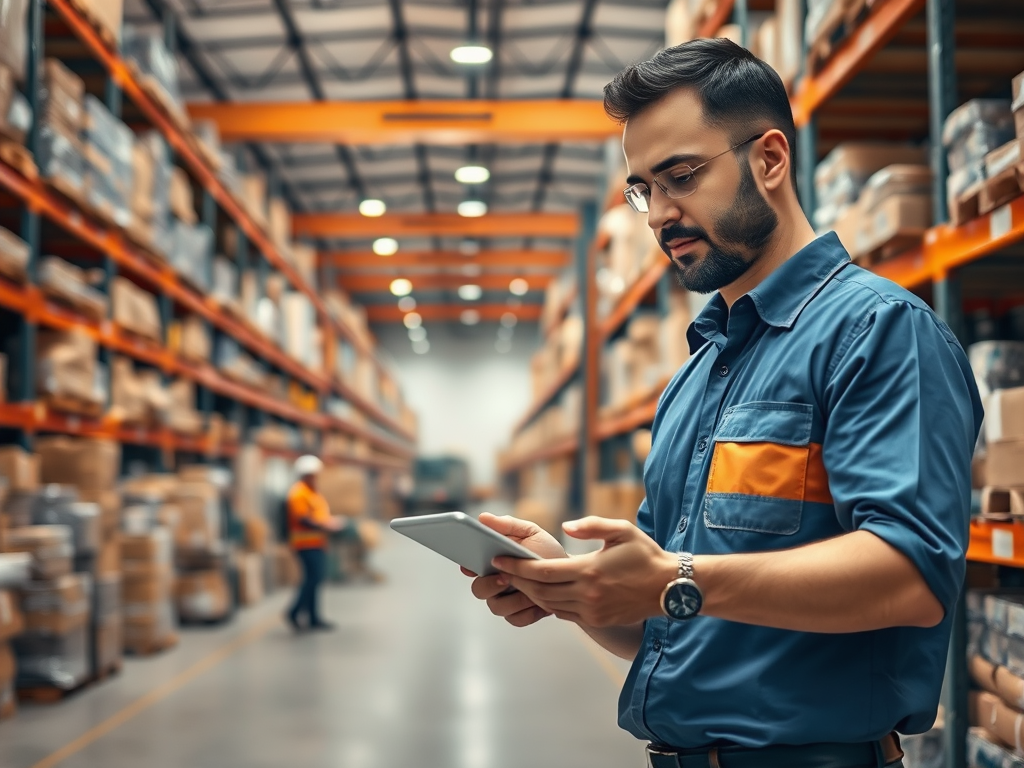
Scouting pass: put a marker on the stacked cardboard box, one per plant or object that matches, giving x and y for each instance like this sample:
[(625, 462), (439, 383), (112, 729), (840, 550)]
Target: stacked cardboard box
[(150, 199), (148, 591), (12, 624), (70, 285), (1004, 462), (202, 596), (61, 157), (69, 376), (190, 339), (135, 310), (970, 133), (15, 111), (54, 650), (14, 37), (13, 255), (137, 397), (346, 490), (108, 146), (106, 16), (182, 416)]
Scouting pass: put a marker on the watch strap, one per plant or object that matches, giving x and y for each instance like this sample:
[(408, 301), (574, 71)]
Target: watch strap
[(685, 565)]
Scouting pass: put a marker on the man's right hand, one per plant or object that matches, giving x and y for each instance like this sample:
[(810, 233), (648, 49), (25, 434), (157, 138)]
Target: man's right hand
[(515, 607)]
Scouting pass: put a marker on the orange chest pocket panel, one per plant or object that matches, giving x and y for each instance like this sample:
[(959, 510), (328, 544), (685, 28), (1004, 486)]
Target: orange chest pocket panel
[(764, 468)]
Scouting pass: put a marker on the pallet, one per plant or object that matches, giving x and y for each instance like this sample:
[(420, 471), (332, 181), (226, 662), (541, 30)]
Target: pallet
[(998, 191), (49, 694), (894, 246), (966, 206), (20, 159), (85, 10), (1002, 504), (152, 648), (89, 309), (73, 405)]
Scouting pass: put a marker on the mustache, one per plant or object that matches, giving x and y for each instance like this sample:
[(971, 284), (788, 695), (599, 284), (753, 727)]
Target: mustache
[(680, 232)]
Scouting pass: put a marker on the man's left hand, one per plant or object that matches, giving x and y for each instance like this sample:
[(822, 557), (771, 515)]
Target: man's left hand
[(619, 585)]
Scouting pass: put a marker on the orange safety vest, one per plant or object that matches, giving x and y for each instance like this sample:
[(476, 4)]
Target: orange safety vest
[(306, 504)]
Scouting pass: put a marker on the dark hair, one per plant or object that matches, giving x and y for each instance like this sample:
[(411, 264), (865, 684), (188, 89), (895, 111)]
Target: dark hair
[(739, 93)]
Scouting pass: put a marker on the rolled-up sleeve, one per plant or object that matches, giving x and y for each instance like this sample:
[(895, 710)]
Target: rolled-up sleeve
[(903, 415)]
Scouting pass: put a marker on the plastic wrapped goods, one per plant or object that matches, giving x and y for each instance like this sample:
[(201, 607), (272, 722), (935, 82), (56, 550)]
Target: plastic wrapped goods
[(997, 364), (108, 147), (61, 660), (974, 129), (148, 51), (49, 545)]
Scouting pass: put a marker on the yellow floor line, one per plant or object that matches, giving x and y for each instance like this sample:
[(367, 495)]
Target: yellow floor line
[(601, 657), (157, 694)]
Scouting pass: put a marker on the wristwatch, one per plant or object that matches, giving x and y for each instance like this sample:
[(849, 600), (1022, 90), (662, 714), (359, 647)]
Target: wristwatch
[(682, 598)]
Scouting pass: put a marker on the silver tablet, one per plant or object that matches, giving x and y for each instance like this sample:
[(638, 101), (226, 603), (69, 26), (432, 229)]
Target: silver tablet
[(462, 539)]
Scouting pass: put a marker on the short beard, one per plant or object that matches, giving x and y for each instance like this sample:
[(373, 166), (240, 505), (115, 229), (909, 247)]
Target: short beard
[(749, 222)]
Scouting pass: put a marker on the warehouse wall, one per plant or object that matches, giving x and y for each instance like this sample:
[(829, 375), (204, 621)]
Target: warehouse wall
[(467, 396)]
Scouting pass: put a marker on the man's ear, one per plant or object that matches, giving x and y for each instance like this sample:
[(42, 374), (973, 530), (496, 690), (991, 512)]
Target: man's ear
[(776, 157)]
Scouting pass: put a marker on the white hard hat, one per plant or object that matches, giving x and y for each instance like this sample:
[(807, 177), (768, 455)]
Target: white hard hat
[(308, 465)]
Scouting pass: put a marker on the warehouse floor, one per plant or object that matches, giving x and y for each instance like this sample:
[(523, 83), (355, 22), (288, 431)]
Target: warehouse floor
[(417, 674)]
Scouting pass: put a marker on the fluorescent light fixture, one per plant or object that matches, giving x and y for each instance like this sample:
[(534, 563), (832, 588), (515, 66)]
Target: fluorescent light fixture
[(472, 174), (421, 347), (472, 209), (413, 320), (417, 334), (385, 246), (519, 287), (407, 303), (470, 292), (372, 208), (401, 287), (503, 346), (509, 320), (470, 317), (472, 53)]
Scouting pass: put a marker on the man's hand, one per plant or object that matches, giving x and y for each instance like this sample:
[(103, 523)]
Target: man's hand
[(619, 585), (515, 607)]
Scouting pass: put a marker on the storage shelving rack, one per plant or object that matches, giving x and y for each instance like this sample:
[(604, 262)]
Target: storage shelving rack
[(46, 215), (896, 76)]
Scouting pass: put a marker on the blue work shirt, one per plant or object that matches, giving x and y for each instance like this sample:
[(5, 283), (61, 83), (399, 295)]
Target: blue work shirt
[(829, 400)]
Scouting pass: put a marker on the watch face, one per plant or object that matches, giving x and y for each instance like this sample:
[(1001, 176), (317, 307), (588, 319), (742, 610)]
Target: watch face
[(683, 600)]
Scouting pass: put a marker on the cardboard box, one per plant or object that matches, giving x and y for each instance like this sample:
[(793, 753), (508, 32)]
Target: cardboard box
[(90, 464), (896, 216), (57, 607), (135, 310), (257, 534), (280, 224), (1004, 415), (250, 578), (1004, 464), (13, 255), (12, 622), (13, 37), (147, 587), (49, 545), (196, 344), (153, 548), (199, 522), (617, 500), (108, 560), (345, 488), (66, 366), (182, 202), (285, 566), (254, 197), (999, 718), (1001, 503), (21, 469), (202, 596)]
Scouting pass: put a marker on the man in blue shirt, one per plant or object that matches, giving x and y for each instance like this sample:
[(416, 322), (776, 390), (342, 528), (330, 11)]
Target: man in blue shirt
[(787, 595)]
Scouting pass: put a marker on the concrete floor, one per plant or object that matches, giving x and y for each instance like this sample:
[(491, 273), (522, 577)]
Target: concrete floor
[(418, 674)]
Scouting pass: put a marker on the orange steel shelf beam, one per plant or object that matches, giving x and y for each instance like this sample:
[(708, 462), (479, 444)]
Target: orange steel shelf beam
[(946, 247), (556, 450), (352, 225), (447, 260), (411, 122), (545, 399), (186, 147), (631, 299), (997, 543), (884, 21), (376, 283), (634, 418), (489, 313)]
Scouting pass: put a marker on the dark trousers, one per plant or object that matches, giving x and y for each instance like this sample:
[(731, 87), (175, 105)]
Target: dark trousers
[(314, 566)]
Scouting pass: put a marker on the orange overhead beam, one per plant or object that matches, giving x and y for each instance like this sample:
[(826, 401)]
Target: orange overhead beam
[(408, 122), (447, 260), (389, 313), (375, 283), (352, 225)]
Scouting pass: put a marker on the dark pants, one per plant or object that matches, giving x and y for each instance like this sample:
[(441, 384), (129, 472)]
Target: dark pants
[(314, 566)]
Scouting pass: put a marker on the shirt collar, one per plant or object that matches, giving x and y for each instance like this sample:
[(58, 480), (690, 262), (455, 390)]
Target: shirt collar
[(782, 296)]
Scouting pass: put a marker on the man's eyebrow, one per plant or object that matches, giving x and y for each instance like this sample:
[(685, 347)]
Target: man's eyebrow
[(664, 165)]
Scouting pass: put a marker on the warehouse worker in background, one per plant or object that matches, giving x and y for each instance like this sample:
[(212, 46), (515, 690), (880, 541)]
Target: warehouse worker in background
[(310, 524), (787, 594)]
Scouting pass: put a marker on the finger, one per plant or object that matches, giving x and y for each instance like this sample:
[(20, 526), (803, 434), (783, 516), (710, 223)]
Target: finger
[(509, 605), (567, 616), (512, 527), (467, 572), (569, 592), (486, 587), (551, 571), (527, 617), (598, 528)]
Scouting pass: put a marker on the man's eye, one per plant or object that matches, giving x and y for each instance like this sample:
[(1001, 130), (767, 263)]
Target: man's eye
[(682, 177)]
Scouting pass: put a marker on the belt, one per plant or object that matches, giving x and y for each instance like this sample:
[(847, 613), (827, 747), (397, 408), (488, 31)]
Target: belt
[(874, 754)]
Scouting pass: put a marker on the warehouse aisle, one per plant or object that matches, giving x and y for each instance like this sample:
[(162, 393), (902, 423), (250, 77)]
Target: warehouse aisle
[(418, 674)]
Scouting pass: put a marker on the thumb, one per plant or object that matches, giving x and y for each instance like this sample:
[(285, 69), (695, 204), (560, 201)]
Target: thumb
[(512, 527), (611, 531)]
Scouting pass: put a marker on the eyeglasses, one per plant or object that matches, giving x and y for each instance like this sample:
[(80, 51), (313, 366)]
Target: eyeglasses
[(679, 181)]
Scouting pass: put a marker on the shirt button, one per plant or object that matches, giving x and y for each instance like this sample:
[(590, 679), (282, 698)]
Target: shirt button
[(723, 371), (656, 645), (702, 446)]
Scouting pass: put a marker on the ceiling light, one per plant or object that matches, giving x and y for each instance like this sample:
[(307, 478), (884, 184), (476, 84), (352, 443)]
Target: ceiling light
[(401, 287), (372, 208), (407, 303), (413, 320), (417, 334), (503, 346), (472, 53), (472, 209), (509, 320), (470, 292), (385, 246), (421, 347), (469, 247), (472, 174), (470, 317), (519, 287)]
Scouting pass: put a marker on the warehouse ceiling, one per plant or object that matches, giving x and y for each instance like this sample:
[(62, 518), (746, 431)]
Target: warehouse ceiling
[(291, 50)]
